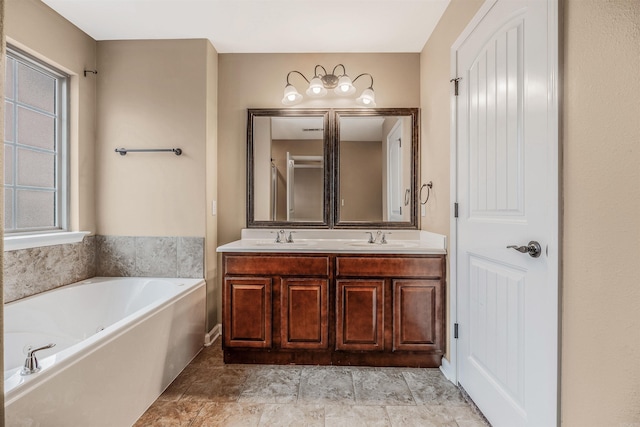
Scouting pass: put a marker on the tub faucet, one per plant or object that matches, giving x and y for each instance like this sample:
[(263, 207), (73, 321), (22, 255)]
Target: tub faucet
[(31, 365)]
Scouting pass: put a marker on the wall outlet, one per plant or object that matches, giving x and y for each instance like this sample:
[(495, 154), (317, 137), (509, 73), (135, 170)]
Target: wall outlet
[(214, 208)]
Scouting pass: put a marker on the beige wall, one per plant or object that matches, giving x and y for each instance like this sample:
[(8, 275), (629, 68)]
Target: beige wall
[(158, 94), (435, 98), (600, 340), (361, 180), (601, 283), (258, 80), (38, 30), (211, 186), (153, 94)]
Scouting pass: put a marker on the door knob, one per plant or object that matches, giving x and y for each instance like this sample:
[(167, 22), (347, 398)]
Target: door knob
[(533, 249)]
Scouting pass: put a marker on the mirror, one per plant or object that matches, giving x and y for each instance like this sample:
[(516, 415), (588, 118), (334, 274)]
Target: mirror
[(332, 168), (376, 158), (288, 168)]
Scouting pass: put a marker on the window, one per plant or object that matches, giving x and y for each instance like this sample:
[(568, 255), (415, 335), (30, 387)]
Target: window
[(35, 146)]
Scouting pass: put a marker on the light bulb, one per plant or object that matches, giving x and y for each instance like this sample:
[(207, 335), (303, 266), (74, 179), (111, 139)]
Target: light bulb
[(366, 101), (316, 88), (345, 86), (291, 97)]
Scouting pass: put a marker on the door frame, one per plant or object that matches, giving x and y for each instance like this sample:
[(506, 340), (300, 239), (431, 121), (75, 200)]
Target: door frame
[(450, 367)]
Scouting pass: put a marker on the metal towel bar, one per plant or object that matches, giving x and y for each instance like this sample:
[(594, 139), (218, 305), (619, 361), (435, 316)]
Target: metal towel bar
[(124, 151)]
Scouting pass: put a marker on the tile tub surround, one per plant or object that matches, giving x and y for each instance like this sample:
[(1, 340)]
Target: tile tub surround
[(210, 393), (31, 271), (129, 256)]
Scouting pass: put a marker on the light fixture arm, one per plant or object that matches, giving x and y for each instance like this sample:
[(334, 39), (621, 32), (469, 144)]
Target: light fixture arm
[(344, 70), (295, 71), (315, 70), (365, 74)]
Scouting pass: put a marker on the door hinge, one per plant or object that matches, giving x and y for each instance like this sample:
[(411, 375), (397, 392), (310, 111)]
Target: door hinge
[(455, 85), (455, 330), (399, 142), (455, 210)]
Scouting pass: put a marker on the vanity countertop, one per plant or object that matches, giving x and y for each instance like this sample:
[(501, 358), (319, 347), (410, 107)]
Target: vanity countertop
[(338, 241)]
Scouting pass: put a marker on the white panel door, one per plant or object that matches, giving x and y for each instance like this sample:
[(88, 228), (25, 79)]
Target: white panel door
[(507, 193)]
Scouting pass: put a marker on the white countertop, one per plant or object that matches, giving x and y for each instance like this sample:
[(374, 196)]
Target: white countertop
[(338, 241)]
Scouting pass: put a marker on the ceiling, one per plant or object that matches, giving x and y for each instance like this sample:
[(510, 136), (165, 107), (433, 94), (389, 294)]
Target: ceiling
[(263, 26)]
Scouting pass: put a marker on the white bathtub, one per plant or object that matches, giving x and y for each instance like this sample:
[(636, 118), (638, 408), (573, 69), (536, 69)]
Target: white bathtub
[(119, 343)]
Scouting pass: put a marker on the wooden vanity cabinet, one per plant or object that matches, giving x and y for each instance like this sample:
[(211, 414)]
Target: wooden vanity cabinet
[(275, 302), (410, 317), (341, 309)]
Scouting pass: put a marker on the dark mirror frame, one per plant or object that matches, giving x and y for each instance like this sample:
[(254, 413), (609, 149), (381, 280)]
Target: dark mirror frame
[(331, 191), (325, 114), (415, 135)]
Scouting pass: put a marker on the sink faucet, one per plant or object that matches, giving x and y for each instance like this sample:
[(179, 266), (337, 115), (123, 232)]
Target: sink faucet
[(31, 365), (280, 236), (290, 237), (384, 238), (374, 239)]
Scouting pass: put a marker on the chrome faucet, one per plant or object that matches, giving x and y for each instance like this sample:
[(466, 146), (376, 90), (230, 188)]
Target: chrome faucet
[(280, 236), (374, 239), (384, 238), (31, 365), (290, 237)]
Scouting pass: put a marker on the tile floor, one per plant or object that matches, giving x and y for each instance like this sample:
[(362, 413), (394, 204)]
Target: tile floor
[(210, 393)]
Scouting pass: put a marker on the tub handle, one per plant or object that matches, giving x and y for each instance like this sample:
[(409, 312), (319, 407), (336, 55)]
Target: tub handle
[(31, 365)]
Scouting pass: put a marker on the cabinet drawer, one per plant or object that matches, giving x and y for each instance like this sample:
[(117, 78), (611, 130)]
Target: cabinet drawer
[(266, 265), (390, 267)]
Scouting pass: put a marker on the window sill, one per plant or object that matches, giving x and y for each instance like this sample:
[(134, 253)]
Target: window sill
[(26, 241)]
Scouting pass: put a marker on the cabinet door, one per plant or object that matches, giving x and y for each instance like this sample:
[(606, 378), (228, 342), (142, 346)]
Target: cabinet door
[(360, 315), (303, 311), (417, 315), (247, 312)]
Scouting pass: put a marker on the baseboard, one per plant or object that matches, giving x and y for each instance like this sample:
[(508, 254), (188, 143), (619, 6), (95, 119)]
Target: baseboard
[(447, 371), (213, 335)]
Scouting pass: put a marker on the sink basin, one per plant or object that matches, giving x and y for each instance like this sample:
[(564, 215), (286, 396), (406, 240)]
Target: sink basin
[(380, 246), (270, 243)]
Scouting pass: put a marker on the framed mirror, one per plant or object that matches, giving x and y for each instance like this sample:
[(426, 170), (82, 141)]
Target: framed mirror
[(325, 168), (376, 163), (288, 168)]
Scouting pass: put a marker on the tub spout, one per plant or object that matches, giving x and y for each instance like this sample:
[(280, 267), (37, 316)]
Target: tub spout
[(31, 365)]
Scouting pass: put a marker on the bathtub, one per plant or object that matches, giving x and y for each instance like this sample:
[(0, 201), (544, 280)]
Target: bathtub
[(119, 342)]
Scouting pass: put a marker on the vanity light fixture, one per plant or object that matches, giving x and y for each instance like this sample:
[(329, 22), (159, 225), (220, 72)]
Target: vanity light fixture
[(323, 81)]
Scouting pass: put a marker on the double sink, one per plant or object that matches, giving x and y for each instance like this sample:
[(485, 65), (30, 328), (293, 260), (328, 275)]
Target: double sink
[(338, 241)]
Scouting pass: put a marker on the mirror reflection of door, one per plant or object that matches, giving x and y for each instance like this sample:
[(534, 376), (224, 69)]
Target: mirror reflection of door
[(305, 175), (394, 173), (297, 152)]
